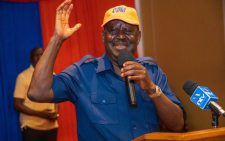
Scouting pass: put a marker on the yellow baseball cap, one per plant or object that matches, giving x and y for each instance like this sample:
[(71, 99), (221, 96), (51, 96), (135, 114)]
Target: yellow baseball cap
[(123, 13)]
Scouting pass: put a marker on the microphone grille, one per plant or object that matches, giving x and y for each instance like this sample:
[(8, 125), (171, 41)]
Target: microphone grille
[(124, 56), (190, 86)]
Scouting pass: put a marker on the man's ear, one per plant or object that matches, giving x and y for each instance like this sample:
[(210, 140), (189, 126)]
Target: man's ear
[(103, 36), (139, 37)]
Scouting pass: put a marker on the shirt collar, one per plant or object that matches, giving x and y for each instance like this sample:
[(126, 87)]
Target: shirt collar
[(105, 64)]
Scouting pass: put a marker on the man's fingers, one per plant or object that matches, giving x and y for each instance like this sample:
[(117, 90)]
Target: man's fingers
[(133, 73), (135, 78), (132, 66), (62, 6), (69, 11), (62, 17), (76, 27), (65, 9), (128, 63), (66, 4), (59, 8)]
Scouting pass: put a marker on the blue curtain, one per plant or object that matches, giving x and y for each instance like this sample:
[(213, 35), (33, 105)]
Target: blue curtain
[(20, 31)]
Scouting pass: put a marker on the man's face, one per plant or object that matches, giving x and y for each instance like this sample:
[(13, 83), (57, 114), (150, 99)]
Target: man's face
[(36, 55), (119, 35)]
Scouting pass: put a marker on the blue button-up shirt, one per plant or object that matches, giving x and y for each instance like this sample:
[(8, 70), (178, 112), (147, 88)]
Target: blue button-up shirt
[(101, 102)]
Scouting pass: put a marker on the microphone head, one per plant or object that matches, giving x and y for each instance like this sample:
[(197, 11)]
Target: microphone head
[(201, 96), (190, 86), (124, 56)]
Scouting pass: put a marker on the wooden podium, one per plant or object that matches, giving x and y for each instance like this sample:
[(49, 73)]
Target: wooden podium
[(217, 134)]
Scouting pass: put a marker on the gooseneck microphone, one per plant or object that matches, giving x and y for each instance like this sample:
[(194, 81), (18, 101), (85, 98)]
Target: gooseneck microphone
[(123, 57), (202, 97)]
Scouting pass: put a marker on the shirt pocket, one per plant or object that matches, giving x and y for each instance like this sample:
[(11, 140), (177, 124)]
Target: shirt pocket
[(149, 109), (104, 107)]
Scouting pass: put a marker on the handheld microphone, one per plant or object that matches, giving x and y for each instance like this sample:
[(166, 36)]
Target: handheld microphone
[(202, 97), (123, 57)]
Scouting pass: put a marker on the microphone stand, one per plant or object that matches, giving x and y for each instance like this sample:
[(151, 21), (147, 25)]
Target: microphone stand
[(215, 121), (216, 111)]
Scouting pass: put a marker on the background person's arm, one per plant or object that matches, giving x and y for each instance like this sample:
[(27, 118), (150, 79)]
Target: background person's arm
[(18, 106), (56, 113), (40, 88)]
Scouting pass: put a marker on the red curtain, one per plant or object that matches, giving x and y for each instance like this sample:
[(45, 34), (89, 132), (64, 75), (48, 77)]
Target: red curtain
[(87, 40)]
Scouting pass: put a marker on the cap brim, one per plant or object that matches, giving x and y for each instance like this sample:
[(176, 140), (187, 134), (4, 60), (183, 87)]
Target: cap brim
[(121, 20)]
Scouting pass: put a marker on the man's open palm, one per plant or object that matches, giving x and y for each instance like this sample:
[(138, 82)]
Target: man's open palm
[(62, 29)]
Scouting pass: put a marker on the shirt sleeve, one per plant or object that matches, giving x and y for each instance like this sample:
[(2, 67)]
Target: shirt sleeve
[(162, 83), (64, 88), (20, 87), (160, 79)]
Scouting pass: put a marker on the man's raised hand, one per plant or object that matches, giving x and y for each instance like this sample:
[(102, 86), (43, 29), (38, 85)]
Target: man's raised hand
[(62, 29)]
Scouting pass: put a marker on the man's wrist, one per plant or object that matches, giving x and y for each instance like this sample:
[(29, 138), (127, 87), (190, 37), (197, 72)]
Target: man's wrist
[(57, 40), (157, 92), (151, 90)]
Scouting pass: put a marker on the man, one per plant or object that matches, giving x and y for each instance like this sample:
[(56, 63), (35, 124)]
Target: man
[(97, 87), (38, 120)]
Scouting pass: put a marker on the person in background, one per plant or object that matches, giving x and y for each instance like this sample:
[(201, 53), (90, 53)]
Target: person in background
[(38, 120), (97, 88)]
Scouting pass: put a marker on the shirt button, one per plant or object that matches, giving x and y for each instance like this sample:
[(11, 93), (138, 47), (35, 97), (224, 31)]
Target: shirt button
[(103, 101), (135, 128)]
